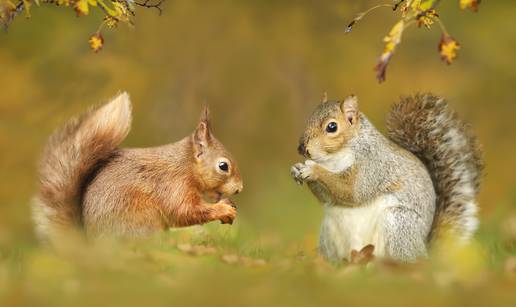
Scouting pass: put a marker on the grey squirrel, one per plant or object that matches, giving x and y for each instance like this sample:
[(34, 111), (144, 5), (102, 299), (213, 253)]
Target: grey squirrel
[(88, 183), (398, 193)]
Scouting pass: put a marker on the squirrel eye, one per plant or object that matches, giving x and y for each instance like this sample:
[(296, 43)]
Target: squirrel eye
[(223, 166), (331, 127)]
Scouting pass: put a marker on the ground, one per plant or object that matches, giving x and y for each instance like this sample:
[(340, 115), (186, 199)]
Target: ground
[(215, 265)]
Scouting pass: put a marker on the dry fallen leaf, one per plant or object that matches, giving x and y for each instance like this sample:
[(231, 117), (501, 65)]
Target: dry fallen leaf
[(252, 262), (230, 258), (185, 247), (364, 256), (196, 250)]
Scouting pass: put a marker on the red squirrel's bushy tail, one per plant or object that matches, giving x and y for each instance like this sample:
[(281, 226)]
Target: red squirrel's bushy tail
[(70, 156), (424, 125)]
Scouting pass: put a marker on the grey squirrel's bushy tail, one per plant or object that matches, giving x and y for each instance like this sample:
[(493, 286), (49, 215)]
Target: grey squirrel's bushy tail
[(424, 125), (70, 156)]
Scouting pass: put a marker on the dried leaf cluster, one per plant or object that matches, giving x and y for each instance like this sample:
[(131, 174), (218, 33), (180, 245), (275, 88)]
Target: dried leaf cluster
[(114, 11), (420, 13)]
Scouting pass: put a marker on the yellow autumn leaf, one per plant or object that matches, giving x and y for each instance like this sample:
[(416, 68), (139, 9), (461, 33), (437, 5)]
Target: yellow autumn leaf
[(111, 22), (391, 41), (394, 37), (109, 11), (469, 4), (122, 13), (426, 19), (96, 42), (81, 7), (417, 8), (448, 47), (119, 8)]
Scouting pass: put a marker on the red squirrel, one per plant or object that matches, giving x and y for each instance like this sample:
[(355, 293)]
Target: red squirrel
[(88, 182)]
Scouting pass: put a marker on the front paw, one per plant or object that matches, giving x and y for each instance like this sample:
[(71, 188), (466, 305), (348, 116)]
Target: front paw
[(226, 211), (304, 172)]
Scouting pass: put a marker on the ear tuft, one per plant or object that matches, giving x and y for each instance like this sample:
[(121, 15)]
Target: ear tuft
[(324, 97), (350, 109), (205, 114), (202, 133)]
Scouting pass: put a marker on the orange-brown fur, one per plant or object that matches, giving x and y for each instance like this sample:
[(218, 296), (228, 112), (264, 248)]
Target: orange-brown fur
[(325, 181), (87, 182)]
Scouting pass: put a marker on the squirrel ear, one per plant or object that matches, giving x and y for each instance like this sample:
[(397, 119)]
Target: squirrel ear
[(324, 97), (350, 109), (202, 133), (205, 115)]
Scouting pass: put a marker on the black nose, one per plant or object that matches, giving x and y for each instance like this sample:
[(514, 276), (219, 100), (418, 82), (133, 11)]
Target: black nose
[(301, 149)]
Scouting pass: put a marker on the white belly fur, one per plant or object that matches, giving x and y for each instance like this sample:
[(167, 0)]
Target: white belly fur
[(346, 228)]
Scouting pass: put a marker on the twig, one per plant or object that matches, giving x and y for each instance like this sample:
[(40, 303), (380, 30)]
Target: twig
[(441, 25), (149, 4), (363, 14)]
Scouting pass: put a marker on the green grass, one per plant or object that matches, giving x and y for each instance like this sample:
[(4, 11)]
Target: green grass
[(215, 265), (268, 257)]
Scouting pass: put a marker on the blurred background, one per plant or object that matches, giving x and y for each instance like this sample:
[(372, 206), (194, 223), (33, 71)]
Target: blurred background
[(262, 67)]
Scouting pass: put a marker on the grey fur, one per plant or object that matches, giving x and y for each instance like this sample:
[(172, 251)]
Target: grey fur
[(424, 125), (389, 182), (382, 164)]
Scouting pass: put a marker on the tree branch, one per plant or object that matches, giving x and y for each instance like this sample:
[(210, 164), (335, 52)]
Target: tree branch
[(151, 4)]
